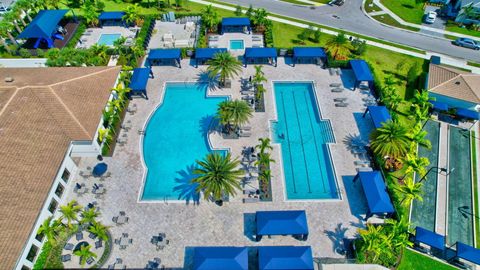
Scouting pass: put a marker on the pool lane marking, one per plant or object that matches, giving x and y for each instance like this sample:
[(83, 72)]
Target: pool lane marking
[(288, 140), (315, 142), (301, 142)]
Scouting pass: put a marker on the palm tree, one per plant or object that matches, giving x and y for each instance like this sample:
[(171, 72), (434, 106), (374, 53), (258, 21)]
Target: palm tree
[(264, 145), (419, 113), (89, 216), (131, 14), (6, 30), (263, 161), (469, 12), (390, 140), (49, 228), (224, 65), (217, 176), (390, 97), (417, 134), (12, 18), (99, 50), (99, 230), (118, 45), (260, 19), (238, 10), (373, 240), (339, 47), (265, 176), (233, 113), (90, 14), (84, 253), (70, 212), (422, 99), (399, 232), (259, 76), (416, 164), (410, 191), (210, 18)]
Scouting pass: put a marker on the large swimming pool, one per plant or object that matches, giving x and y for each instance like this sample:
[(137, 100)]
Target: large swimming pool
[(303, 135), (108, 39), (176, 136)]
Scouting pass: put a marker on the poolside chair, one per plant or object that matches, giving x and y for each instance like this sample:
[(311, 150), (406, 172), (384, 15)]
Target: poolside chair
[(361, 163), (79, 236), (118, 260), (130, 241), (116, 241), (92, 236), (335, 84), (66, 258), (341, 104), (125, 235), (331, 71), (98, 244), (90, 260), (69, 246), (245, 134), (251, 200), (339, 99), (337, 90)]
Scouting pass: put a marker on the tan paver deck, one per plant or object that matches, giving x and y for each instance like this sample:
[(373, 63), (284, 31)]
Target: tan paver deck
[(205, 224)]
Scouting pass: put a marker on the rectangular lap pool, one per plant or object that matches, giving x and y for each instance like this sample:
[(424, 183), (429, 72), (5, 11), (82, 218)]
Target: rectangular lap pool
[(108, 39), (303, 135), (175, 137), (236, 44)]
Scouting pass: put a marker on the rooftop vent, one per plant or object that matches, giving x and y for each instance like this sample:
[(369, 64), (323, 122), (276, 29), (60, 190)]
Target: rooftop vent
[(457, 83), (9, 79)]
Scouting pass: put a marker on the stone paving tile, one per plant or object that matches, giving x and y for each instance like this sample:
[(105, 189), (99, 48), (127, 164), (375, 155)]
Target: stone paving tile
[(205, 224)]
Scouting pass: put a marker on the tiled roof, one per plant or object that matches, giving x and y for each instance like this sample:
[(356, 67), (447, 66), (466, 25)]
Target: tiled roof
[(454, 83), (41, 112)]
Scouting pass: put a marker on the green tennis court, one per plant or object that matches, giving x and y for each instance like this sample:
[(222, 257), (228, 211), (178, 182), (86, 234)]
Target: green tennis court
[(423, 212), (460, 211)]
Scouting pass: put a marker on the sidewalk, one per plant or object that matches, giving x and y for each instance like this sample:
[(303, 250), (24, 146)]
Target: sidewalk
[(461, 63), (385, 10)]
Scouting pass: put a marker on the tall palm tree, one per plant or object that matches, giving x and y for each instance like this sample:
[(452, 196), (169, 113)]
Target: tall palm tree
[(70, 212), (99, 230), (49, 228), (264, 145), (390, 97), (99, 50), (90, 14), (259, 76), (417, 134), (89, 216), (132, 14), (260, 19), (339, 47), (415, 164), (6, 30), (84, 253), (265, 176), (410, 191), (419, 113), (233, 113), (25, 6), (210, 18), (422, 99), (390, 140), (12, 18), (224, 65), (263, 160), (218, 175)]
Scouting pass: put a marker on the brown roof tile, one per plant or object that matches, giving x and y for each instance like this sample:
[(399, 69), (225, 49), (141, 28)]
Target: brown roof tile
[(36, 128), (454, 83)]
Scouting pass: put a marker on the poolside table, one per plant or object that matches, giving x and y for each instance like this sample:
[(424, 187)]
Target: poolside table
[(121, 219), (123, 241)]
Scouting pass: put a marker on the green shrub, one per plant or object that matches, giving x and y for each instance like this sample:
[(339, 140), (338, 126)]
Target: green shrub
[(268, 34), (359, 46), (40, 53), (144, 33), (24, 53), (332, 63), (78, 34), (42, 257)]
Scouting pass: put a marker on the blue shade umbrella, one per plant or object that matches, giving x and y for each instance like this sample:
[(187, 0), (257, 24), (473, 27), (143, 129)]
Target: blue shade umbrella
[(100, 169)]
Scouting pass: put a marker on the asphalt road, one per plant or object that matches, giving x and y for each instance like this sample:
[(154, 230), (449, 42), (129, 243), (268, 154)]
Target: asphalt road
[(351, 18)]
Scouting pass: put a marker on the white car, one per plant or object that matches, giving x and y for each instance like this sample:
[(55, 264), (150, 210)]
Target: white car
[(430, 17)]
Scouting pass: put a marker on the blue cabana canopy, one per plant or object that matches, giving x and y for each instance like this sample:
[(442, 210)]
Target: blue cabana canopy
[(111, 15), (44, 25), (219, 258), (308, 52), (468, 114), (204, 54), (440, 106), (376, 193), (468, 253), (281, 223), (362, 72), (260, 53), (156, 55), (379, 115), (235, 23), (429, 238), (285, 257), (139, 80)]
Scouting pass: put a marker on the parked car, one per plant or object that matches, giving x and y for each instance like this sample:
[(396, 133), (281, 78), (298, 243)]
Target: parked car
[(430, 17), (337, 2), (467, 43)]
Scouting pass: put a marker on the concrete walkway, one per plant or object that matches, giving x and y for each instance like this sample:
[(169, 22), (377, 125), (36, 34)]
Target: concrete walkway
[(423, 27), (441, 213), (461, 63)]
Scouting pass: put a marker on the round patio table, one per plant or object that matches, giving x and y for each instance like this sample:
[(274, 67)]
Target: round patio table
[(99, 169)]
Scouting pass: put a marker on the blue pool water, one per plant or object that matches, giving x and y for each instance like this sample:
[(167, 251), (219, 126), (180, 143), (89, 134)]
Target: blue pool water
[(236, 44), (176, 136), (108, 39), (303, 135)]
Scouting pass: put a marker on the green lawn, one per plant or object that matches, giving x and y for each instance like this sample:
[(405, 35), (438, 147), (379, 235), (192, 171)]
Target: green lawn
[(371, 7), (387, 19), (412, 260), (457, 29), (408, 10)]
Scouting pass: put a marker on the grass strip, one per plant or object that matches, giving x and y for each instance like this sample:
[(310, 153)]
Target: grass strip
[(475, 190), (412, 260), (409, 11), (387, 19), (404, 47), (473, 64), (371, 7)]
